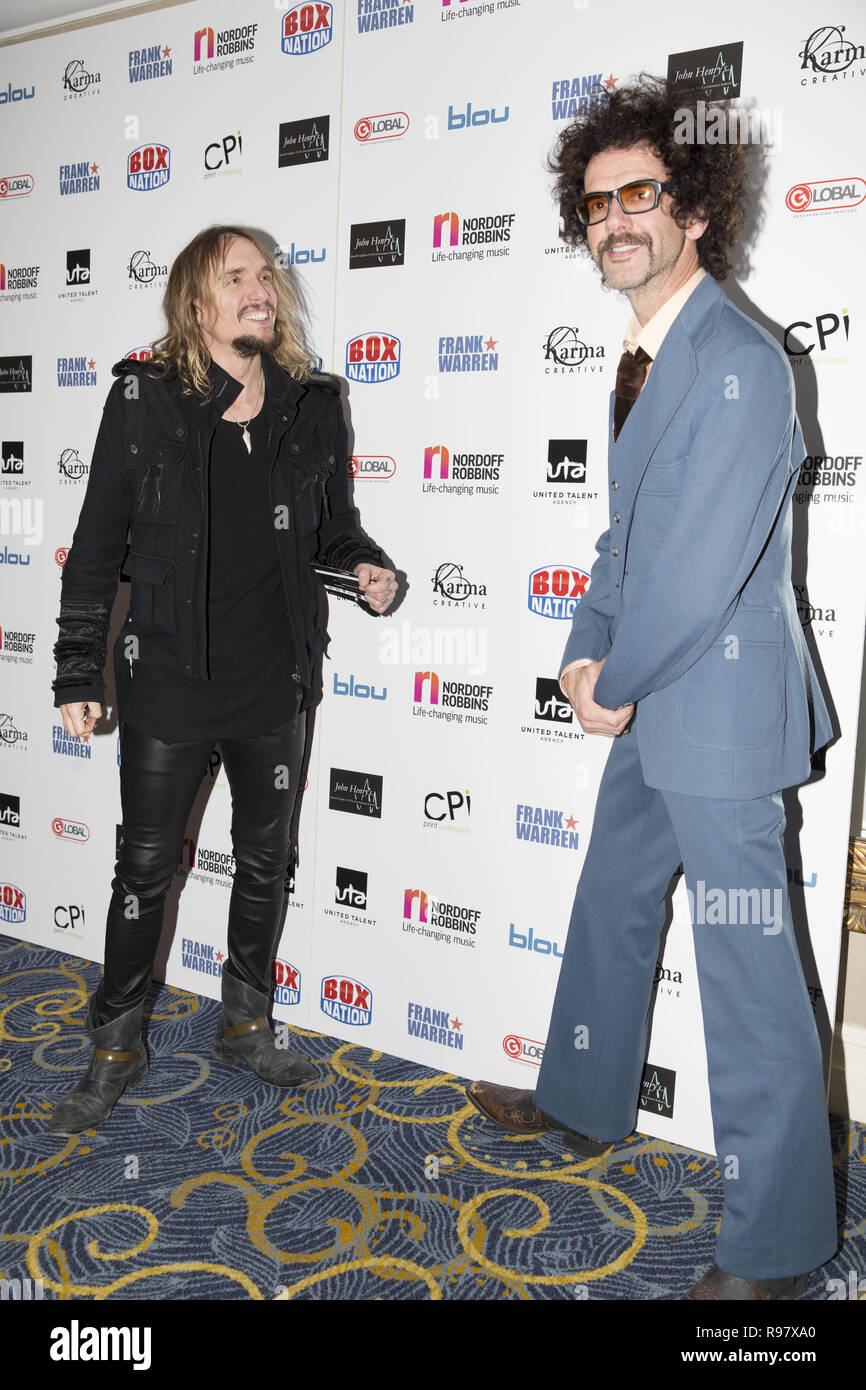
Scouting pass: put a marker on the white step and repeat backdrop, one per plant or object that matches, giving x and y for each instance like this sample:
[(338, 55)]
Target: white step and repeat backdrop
[(395, 152)]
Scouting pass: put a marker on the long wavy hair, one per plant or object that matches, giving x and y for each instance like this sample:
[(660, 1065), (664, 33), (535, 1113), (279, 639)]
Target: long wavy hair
[(191, 282), (710, 178)]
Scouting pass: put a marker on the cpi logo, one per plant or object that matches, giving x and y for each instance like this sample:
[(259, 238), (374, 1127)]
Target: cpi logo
[(70, 829), (389, 126), (556, 590), (523, 1049), (307, 28), (826, 195)]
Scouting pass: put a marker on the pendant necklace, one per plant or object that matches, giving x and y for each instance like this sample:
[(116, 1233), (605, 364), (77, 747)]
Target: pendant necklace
[(244, 425)]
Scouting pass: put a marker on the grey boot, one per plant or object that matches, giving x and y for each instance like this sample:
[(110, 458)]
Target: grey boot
[(119, 1062), (244, 1038)]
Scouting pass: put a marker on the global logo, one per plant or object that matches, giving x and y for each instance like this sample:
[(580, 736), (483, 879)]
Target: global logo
[(307, 28), (287, 983), (70, 830), (346, 1000), (523, 1049), (556, 590), (372, 466), (148, 168), (388, 126), (16, 185), (13, 904), (373, 357), (827, 195)]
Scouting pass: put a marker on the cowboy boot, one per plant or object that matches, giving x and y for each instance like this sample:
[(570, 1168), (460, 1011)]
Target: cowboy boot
[(244, 1037), (119, 1062)]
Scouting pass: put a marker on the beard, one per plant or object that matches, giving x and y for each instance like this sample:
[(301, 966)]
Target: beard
[(247, 345)]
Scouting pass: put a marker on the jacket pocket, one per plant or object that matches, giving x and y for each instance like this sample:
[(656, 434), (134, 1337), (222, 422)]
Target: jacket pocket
[(151, 601), (733, 698), (157, 482)]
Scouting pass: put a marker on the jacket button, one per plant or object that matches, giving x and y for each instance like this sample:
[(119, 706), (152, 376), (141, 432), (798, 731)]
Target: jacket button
[(188, 602), (180, 432), (615, 486), (616, 583), (295, 448), (616, 516), (133, 448), (614, 551)]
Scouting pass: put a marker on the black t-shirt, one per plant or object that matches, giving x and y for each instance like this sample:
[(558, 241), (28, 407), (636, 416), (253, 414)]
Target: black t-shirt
[(251, 688)]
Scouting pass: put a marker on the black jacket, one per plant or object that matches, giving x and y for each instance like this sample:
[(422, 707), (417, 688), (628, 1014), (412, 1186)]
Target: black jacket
[(149, 481)]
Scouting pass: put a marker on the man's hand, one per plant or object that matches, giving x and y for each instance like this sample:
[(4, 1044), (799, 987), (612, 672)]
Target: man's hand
[(378, 587), (79, 719), (579, 686)]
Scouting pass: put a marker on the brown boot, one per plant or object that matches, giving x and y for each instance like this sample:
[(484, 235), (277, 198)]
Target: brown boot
[(516, 1111)]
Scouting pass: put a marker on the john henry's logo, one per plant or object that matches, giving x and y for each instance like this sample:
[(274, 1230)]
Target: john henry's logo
[(715, 72), (351, 889), (346, 1000), (148, 168), (826, 195), (359, 793), (377, 243), (827, 51), (545, 826), (16, 185), (439, 462), (388, 126), (573, 96), (13, 903), (550, 703), (435, 1025), (16, 373), (383, 14), (566, 349), (78, 178), (457, 694), (13, 458), (460, 120), (657, 1090), (303, 142), (566, 461), (78, 267), (372, 466), (147, 63), (143, 269), (825, 326), (373, 357), (556, 590), (468, 353), (70, 830), (307, 28), (451, 585), (523, 1049), (287, 981)]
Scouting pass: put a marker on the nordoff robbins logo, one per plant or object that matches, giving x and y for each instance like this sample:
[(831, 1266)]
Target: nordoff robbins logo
[(826, 195)]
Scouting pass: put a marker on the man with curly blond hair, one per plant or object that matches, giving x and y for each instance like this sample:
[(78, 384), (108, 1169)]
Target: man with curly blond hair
[(688, 654)]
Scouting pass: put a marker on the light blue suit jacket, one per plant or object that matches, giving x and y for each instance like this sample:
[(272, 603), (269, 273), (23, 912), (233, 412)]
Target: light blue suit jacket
[(695, 613)]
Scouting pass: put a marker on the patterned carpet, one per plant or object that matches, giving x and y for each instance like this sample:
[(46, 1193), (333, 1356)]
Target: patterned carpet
[(378, 1181)]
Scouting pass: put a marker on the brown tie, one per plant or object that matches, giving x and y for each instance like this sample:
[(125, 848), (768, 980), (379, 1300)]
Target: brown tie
[(630, 377)]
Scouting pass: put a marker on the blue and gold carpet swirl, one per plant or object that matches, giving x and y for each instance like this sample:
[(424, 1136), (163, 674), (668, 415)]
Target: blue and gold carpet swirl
[(378, 1181)]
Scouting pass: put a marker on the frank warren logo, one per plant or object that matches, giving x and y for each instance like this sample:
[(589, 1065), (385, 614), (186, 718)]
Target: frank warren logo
[(16, 185), (145, 64), (374, 15), (13, 904), (148, 168), (471, 238), (440, 921), (565, 352), (451, 588), (346, 1000), (461, 474), (81, 177), (201, 956), (307, 28), (827, 195), (358, 793), (657, 1090), (304, 142), (390, 125), (450, 700), (373, 357), (374, 244), (434, 1025), (76, 371), (69, 747), (556, 590), (574, 96), (543, 825), (714, 72), (287, 983), (828, 55), (470, 352)]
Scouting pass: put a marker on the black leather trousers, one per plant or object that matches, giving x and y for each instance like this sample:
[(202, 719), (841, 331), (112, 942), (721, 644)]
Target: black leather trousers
[(158, 783)]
